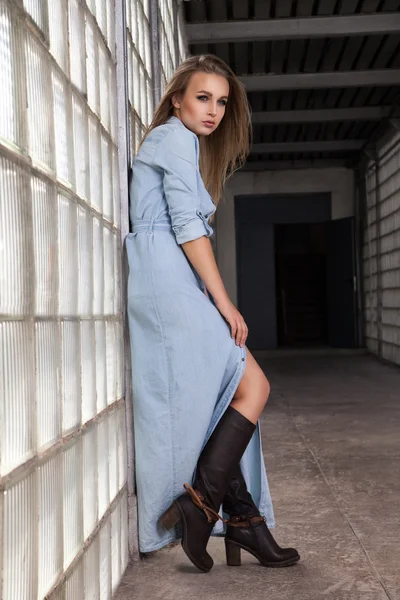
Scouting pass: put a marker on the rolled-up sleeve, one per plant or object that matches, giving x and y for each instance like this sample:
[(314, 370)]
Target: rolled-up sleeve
[(176, 156)]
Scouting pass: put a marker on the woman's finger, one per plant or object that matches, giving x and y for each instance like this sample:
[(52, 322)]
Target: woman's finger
[(243, 333), (240, 333), (233, 329)]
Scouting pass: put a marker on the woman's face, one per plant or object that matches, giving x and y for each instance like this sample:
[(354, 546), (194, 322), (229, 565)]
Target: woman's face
[(202, 107)]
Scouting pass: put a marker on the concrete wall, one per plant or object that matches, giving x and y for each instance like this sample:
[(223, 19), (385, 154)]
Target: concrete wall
[(338, 181)]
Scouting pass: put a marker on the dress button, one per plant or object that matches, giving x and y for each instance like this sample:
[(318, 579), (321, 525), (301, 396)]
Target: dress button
[(243, 359)]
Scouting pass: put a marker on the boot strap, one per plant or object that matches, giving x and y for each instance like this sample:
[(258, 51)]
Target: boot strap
[(197, 499), (245, 521)]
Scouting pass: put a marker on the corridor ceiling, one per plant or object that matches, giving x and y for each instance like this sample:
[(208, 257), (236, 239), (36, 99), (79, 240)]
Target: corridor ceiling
[(322, 76)]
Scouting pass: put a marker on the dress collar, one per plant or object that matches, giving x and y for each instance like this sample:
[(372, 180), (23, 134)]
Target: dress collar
[(175, 119)]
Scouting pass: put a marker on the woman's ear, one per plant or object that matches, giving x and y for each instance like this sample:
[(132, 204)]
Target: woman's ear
[(176, 101)]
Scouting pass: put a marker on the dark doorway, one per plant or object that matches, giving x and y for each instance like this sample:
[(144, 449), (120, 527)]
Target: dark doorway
[(295, 272), (300, 266)]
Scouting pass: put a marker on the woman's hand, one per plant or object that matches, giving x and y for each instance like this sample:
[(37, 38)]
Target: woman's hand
[(239, 329)]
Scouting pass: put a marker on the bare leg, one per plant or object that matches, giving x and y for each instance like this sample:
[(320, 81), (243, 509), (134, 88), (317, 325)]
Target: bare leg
[(253, 390)]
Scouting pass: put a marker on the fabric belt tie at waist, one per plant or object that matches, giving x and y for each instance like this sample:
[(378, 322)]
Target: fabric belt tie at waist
[(148, 225)]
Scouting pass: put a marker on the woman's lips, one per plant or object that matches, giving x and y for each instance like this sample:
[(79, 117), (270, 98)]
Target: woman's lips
[(209, 123)]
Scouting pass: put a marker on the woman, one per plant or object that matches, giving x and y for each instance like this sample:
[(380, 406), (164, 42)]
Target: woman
[(198, 392)]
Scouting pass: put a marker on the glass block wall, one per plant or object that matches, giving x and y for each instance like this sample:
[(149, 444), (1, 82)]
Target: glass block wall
[(63, 449), (381, 253), (171, 40), (63, 504), (140, 76)]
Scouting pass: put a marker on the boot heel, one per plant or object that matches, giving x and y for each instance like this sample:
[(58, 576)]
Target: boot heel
[(232, 554), (170, 517)]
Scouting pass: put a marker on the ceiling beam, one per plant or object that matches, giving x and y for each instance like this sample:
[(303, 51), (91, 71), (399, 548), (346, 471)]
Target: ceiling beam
[(283, 29), (283, 165), (315, 146), (309, 81), (360, 113)]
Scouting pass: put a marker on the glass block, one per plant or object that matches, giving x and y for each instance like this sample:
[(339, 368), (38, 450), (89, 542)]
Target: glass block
[(88, 367), (17, 382), (117, 275), (124, 533), (147, 48), (149, 95), (98, 267), (128, 10), (50, 524), (116, 192), (130, 70), (111, 362), (101, 16), (67, 256), (113, 453), (109, 285), (74, 586), (71, 388), (122, 454), (81, 157), (44, 208), (77, 44), (16, 265), (111, 25), (103, 467), (146, 8), (8, 117), (106, 161), (115, 548), (113, 102), (91, 569), (105, 561), (104, 87), (37, 10), (19, 544), (48, 397), (58, 31), (120, 368), (40, 130), (134, 25), (143, 98), (91, 4), (101, 373), (135, 82), (72, 502), (85, 261), (92, 70), (95, 164), (62, 100), (90, 503)]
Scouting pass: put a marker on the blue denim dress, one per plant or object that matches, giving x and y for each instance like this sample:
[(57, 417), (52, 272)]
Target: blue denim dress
[(185, 365)]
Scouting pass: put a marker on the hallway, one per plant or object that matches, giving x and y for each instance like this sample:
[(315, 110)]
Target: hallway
[(332, 448)]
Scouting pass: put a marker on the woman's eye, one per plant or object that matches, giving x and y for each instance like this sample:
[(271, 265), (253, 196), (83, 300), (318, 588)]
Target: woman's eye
[(202, 97), (223, 102)]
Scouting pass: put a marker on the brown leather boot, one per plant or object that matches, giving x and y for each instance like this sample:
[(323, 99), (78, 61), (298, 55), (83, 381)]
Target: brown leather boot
[(197, 510), (247, 529)]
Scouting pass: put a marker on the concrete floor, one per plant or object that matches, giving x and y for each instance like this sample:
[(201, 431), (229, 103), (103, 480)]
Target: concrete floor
[(331, 435)]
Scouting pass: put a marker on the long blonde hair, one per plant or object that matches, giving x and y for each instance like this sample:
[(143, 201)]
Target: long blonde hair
[(225, 150)]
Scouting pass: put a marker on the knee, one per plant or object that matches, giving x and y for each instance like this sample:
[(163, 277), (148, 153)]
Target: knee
[(266, 387)]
